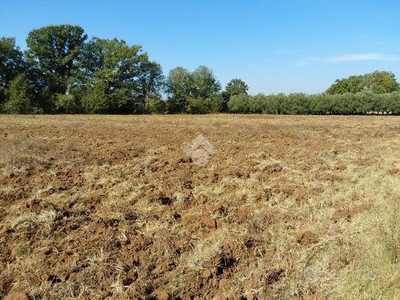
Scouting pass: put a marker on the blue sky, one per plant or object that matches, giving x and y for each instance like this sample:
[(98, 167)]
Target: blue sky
[(274, 46)]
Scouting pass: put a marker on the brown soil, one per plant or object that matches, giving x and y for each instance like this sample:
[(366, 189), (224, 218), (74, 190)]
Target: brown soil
[(111, 207)]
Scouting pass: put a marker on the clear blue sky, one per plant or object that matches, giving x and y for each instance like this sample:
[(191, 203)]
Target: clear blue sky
[(273, 45)]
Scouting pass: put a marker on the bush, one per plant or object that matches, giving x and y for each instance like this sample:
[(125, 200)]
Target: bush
[(239, 103), (156, 106), (19, 101), (67, 104)]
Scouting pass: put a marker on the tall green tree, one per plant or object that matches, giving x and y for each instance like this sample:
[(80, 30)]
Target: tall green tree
[(55, 51), (191, 92), (233, 88), (120, 75), (150, 83), (204, 84), (203, 91), (236, 87), (379, 82), (239, 103), (257, 103), (19, 101), (352, 84), (11, 65), (178, 85)]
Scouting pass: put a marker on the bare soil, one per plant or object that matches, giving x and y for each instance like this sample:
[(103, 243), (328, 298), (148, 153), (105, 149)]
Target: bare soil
[(111, 207)]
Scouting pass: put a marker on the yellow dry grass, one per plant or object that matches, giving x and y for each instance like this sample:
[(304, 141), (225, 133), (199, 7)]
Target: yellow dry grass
[(288, 207)]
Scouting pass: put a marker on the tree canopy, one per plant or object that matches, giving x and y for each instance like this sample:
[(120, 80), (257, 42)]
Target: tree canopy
[(63, 71), (11, 65), (55, 51), (118, 78), (379, 82), (191, 92), (236, 87), (11, 61)]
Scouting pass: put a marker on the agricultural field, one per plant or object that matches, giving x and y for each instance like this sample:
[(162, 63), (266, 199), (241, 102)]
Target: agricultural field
[(199, 207)]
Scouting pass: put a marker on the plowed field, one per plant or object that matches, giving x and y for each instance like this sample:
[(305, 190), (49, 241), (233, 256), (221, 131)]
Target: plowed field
[(199, 207)]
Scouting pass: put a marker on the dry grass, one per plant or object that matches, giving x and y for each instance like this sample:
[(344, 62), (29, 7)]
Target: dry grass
[(288, 207)]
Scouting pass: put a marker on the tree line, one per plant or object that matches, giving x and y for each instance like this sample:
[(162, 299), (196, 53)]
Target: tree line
[(63, 71), (365, 102)]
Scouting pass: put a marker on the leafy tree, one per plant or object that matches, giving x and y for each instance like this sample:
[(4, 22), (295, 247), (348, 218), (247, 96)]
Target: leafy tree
[(156, 106), (204, 84), (220, 103), (239, 103), (120, 75), (298, 104), (236, 87), (55, 51), (318, 105), (67, 104), (96, 99), (381, 82), (274, 103), (11, 64), (257, 104), (364, 102), (178, 88), (198, 105), (378, 82), (203, 91), (233, 87), (191, 92), (395, 103), (149, 85), (20, 99), (353, 84)]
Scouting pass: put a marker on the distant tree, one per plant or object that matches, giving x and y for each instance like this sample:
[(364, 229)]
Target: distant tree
[(298, 104), (381, 82), (204, 85), (220, 103), (203, 91), (352, 84), (96, 100), (19, 101), (156, 106), (378, 82), (68, 104), (120, 75), (191, 92), (275, 103), (55, 51), (178, 85), (236, 87), (395, 103), (364, 102), (257, 104), (233, 87), (150, 83), (239, 103), (11, 65), (316, 104)]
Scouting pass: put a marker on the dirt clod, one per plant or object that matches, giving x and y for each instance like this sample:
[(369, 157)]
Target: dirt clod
[(307, 238), (160, 295), (16, 296)]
